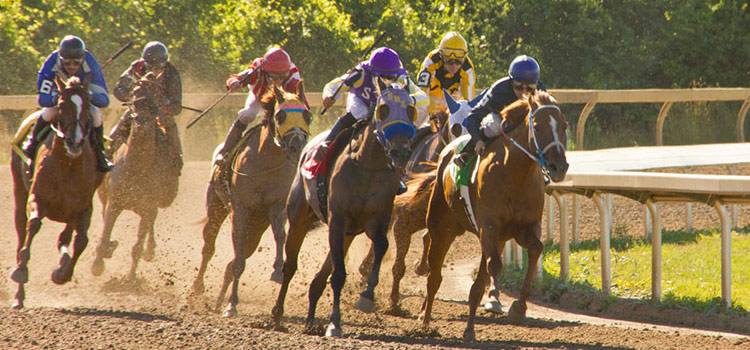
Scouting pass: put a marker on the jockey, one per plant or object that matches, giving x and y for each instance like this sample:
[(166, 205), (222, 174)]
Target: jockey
[(447, 67), (384, 64), (522, 79), (154, 60), (71, 59), (275, 68)]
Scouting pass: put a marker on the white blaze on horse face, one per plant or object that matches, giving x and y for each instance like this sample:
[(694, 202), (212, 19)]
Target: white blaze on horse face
[(78, 101), (555, 137)]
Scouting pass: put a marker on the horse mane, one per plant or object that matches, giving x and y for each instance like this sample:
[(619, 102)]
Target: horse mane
[(516, 112)]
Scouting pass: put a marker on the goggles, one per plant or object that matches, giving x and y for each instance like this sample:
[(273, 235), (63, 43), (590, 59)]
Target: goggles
[(72, 61), (523, 86), (157, 65), (277, 76)]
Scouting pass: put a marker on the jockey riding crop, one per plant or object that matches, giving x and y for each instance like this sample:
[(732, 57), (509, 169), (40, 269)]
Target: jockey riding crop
[(361, 58), (118, 53), (196, 119)]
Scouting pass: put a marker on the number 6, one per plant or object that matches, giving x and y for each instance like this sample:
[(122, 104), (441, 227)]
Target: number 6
[(46, 87)]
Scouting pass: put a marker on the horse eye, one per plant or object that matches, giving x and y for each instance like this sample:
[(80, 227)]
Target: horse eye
[(383, 112), (308, 117), (281, 117)]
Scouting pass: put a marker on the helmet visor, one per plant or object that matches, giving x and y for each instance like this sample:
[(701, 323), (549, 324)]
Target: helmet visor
[(456, 54)]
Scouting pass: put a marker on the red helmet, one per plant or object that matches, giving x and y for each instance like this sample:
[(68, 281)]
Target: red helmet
[(276, 60)]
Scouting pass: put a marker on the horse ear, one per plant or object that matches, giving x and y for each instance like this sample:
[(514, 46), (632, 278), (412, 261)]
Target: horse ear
[(60, 83), (453, 106), (278, 94)]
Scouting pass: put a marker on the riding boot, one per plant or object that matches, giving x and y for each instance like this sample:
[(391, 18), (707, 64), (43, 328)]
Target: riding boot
[(462, 158), (41, 128), (233, 138), (102, 163), (346, 121), (173, 138), (119, 134)]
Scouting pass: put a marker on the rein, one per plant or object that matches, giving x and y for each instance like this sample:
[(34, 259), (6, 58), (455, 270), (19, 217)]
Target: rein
[(539, 156)]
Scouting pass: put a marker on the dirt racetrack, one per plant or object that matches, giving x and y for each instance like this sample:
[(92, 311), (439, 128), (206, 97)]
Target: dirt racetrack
[(158, 311)]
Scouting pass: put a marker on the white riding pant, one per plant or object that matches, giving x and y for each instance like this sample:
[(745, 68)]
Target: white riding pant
[(97, 116)]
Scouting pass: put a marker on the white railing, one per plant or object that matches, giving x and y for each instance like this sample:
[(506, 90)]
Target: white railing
[(650, 188)]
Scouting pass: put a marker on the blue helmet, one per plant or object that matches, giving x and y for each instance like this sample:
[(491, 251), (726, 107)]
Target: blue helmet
[(72, 46), (524, 69)]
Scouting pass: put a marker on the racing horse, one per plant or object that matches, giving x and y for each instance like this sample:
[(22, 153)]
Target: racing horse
[(62, 185), (259, 178), (362, 173), (504, 202), (140, 180)]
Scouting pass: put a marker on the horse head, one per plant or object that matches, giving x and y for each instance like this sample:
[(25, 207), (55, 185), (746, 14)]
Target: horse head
[(291, 123), (143, 104), (73, 121), (394, 123), (459, 110), (547, 134)]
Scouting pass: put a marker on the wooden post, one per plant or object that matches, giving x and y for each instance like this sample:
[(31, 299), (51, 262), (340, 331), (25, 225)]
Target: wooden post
[(655, 251), (604, 242)]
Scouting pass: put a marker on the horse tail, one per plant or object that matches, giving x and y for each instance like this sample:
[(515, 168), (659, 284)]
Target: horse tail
[(419, 189)]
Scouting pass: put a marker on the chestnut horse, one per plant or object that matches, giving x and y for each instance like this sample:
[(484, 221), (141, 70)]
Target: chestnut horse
[(61, 188), (258, 185), (141, 180), (506, 199), (363, 181)]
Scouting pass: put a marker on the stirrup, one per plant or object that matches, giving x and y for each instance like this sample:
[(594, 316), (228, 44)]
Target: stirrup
[(461, 159)]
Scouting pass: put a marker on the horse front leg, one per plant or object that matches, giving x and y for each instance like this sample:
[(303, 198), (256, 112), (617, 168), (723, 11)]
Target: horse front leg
[(106, 246), (63, 242), (377, 231), (277, 218), (318, 285), (148, 217), (336, 233), (149, 253), (64, 272), (495, 267), (21, 274), (529, 240)]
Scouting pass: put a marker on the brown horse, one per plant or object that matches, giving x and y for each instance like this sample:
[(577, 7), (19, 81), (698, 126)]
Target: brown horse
[(260, 177), (140, 181), (506, 200), (363, 181), (62, 186), (410, 208)]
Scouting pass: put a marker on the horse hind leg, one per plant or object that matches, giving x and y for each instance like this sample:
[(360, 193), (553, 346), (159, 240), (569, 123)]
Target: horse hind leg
[(246, 235), (106, 246), (216, 214), (402, 237)]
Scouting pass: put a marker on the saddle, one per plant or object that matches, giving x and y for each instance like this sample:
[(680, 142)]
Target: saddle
[(221, 175), (318, 172)]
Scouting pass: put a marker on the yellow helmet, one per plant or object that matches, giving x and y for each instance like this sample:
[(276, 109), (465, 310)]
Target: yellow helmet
[(453, 46)]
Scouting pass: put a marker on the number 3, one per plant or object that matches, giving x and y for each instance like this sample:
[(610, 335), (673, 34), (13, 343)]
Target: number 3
[(46, 87)]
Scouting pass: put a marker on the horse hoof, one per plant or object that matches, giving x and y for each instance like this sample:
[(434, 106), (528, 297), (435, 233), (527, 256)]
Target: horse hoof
[(148, 255), (333, 331), (517, 312), (17, 305), (421, 269), (61, 275), (230, 312), (198, 288), (278, 277), (97, 268), (20, 275), (493, 306), (365, 304), (469, 335)]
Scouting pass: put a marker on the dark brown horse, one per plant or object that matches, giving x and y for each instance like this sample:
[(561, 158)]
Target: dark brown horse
[(141, 180), (62, 186), (258, 185), (410, 208), (506, 200), (362, 183)]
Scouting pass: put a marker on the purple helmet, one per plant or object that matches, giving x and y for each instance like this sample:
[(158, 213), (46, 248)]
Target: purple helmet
[(385, 61)]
